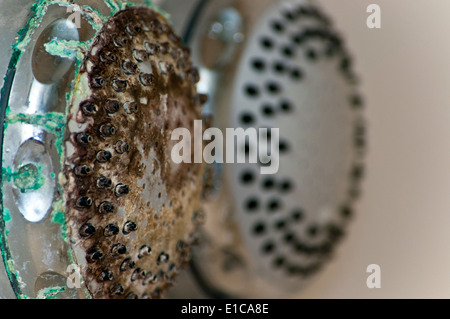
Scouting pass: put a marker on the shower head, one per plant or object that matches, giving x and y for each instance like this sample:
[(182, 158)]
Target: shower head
[(283, 65), (92, 206)]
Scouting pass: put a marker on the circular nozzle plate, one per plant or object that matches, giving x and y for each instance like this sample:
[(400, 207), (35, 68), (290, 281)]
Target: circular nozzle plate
[(122, 189), (267, 235)]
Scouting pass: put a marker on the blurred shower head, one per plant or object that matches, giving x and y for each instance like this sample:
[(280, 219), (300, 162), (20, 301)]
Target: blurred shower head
[(280, 64)]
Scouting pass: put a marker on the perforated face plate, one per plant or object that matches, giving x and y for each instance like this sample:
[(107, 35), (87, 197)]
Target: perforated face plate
[(130, 209), (294, 74)]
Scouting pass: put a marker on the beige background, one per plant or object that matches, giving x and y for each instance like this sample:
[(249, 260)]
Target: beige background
[(404, 217)]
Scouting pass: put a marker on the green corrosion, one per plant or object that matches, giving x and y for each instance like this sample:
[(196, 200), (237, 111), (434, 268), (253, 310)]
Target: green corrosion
[(50, 292), (25, 34), (117, 6), (6, 218), (6, 215), (7, 174), (67, 49), (52, 122), (59, 218), (58, 215), (27, 178)]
